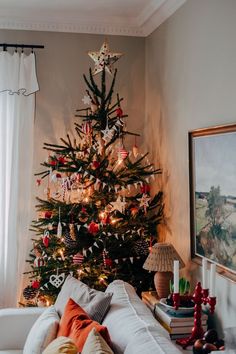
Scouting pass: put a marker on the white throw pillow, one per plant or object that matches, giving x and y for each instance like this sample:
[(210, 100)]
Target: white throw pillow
[(95, 344), (94, 302), (43, 332)]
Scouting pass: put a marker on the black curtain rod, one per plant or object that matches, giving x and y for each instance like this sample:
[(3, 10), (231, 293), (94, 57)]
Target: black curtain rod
[(32, 46)]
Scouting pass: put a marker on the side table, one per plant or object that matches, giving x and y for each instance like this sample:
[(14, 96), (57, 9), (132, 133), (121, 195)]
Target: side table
[(151, 300)]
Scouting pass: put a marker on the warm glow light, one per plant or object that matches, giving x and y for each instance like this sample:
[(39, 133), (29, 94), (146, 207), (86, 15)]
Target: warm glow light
[(86, 199), (113, 221), (101, 280), (47, 303), (61, 254), (102, 215), (80, 273)]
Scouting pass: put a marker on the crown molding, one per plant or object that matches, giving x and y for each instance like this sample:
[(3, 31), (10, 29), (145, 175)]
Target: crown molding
[(167, 9), (151, 17), (92, 28)]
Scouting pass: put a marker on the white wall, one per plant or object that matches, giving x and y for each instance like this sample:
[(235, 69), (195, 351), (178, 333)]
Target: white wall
[(190, 83)]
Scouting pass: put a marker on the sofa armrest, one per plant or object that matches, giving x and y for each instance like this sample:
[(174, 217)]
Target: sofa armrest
[(15, 324)]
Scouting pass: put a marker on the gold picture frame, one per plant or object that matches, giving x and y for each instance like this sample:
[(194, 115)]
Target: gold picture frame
[(212, 171)]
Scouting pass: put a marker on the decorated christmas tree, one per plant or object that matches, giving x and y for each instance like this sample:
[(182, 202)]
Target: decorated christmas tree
[(99, 220)]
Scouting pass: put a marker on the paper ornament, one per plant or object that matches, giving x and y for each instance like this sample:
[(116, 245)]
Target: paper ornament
[(119, 204), (78, 258), (86, 128), (107, 134), (135, 151), (59, 229), (87, 99), (144, 201), (38, 262), (104, 59), (57, 280), (122, 153), (72, 231)]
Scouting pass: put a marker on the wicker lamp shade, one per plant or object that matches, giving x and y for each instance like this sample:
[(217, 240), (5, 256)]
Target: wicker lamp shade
[(161, 260)]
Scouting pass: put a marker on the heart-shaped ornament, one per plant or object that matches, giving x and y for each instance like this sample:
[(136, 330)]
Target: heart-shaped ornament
[(57, 280)]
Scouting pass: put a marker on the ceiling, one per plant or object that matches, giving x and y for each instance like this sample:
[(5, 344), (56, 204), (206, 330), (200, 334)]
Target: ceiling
[(118, 17)]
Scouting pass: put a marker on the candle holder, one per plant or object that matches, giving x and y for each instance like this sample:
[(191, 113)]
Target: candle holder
[(200, 296)]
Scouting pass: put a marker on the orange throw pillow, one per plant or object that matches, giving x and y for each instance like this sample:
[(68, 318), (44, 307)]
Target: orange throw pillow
[(76, 324)]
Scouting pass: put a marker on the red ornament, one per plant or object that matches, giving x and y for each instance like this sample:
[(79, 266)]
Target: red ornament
[(93, 228), (78, 258), (119, 112), (52, 161), (46, 240), (108, 262), (106, 220), (35, 284), (95, 165), (38, 181), (58, 175), (61, 160), (145, 188), (134, 211), (48, 214)]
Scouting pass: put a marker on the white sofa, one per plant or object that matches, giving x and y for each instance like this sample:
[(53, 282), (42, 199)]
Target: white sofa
[(132, 327)]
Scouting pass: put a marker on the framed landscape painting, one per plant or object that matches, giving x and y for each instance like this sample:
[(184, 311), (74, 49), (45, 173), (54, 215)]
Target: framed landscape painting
[(212, 153)]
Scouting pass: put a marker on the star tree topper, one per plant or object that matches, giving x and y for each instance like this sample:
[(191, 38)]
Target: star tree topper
[(104, 58)]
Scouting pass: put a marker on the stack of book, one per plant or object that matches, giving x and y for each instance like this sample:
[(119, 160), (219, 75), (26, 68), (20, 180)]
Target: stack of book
[(177, 325)]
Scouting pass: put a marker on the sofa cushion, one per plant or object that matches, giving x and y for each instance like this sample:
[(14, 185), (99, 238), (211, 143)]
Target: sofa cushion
[(149, 340), (94, 302), (43, 332), (128, 316), (61, 345), (95, 344), (76, 324), (20, 320)]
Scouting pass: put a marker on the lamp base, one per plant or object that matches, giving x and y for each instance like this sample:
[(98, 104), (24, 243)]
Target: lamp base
[(162, 283)]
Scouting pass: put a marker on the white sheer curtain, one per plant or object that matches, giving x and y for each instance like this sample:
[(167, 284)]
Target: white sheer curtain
[(18, 84)]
